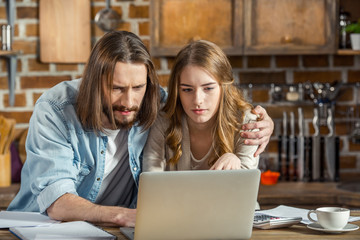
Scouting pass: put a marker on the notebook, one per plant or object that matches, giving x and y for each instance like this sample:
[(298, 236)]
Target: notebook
[(76, 230), (195, 205)]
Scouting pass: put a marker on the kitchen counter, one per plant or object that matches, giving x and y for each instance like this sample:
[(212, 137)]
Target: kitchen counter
[(283, 193), (307, 194)]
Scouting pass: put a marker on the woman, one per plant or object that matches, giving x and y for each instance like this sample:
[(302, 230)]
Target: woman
[(200, 125)]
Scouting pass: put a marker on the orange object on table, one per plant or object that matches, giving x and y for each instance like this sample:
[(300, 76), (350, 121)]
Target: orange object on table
[(269, 177)]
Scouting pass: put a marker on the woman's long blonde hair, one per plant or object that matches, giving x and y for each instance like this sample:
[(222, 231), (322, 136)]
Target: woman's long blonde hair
[(232, 105)]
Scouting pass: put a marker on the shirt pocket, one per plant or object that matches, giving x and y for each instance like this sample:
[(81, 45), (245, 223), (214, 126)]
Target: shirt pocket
[(83, 172)]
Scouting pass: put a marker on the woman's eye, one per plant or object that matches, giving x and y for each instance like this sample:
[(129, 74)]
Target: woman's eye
[(209, 88), (186, 89)]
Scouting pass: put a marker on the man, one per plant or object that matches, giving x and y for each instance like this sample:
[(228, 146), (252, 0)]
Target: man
[(85, 140)]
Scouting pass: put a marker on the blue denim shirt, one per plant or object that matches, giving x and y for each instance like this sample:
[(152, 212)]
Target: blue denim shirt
[(62, 157)]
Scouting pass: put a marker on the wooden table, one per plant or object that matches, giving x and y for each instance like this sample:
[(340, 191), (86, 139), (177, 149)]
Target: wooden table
[(299, 231), (298, 194)]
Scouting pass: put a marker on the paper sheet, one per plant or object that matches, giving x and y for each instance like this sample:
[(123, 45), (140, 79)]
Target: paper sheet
[(23, 219), (286, 211)]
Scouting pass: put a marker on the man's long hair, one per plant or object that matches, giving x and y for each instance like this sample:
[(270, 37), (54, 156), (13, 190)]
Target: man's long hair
[(213, 60), (114, 47)]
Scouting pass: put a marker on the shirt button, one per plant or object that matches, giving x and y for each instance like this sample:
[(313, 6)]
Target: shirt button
[(135, 168), (102, 152), (98, 179)]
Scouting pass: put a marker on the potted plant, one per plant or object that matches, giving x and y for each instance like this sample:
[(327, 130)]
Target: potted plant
[(354, 30)]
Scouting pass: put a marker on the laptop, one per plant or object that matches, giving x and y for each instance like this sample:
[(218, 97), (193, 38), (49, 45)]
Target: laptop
[(195, 204)]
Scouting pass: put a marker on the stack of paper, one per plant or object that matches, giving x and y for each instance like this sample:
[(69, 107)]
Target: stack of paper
[(285, 211), (23, 219)]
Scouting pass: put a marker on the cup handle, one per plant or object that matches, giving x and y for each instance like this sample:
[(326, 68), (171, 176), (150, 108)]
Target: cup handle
[(309, 217)]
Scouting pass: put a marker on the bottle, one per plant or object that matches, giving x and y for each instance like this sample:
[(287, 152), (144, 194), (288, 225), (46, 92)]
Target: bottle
[(344, 20), (3, 38)]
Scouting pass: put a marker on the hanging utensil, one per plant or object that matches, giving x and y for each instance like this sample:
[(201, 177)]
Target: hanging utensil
[(284, 141), (107, 19), (291, 162), (316, 147), (355, 135), (301, 146), (330, 147)]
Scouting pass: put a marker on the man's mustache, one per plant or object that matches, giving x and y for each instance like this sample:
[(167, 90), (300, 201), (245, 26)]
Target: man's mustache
[(125, 109)]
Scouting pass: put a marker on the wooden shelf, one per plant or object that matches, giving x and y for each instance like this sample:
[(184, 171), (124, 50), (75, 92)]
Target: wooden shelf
[(348, 52)]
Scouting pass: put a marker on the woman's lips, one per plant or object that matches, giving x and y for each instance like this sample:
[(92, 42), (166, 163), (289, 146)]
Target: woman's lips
[(199, 111)]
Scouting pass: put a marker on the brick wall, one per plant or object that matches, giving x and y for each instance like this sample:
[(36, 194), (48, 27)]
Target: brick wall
[(34, 77)]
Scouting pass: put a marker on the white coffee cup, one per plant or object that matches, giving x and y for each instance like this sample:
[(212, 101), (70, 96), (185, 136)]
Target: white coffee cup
[(332, 218)]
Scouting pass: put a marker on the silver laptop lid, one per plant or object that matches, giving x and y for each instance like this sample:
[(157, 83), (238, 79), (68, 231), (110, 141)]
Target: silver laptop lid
[(196, 204)]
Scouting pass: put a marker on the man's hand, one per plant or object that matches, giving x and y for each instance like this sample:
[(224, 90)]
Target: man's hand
[(262, 137), (227, 161)]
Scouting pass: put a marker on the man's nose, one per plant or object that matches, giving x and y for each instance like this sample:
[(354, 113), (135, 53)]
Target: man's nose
[(127, 99)]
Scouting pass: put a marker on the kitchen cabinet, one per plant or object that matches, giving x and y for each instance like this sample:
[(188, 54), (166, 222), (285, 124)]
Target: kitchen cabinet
[(290, 26), (249, 27), (176, 22)]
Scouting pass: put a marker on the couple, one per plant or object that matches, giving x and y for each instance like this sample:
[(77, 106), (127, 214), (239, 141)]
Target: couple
[(86, 139)]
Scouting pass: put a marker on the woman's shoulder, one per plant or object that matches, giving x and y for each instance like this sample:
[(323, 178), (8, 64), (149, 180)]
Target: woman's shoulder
[(162, 121)]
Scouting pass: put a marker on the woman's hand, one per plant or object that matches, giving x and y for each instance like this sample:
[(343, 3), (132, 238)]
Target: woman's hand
[(262, 137), (227, 161)]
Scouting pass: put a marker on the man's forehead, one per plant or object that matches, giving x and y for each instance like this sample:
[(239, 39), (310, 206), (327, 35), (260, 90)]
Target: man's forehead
[(133, 74)]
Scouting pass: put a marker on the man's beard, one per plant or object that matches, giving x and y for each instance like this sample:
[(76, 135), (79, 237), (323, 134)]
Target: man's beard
[(125, 123)]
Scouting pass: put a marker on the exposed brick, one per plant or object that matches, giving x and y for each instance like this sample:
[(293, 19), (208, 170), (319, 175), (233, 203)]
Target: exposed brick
[(317, 76), (144, 28), (170, 62), (27, 12), (353, 146), (354, 76), (66, 67), (35, 65), (349, 176), (276, 112), (26, 47), (259, 61), (260, 95), (345, 94), (236, 61), (20, 117), (36, 97), (163, 80), (287, 61), (16, 30), (2, 12), (261, 77), (347, 162), (343, 61), (272, 147), (32, 30), (124, 26), (3, 83), (146, 43), (138, 11), (42, 81), (20, 100), (342, 128), (3, 65), (316, 61), (156, 62)]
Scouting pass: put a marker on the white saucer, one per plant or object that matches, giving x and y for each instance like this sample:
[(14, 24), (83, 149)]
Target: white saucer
[(349, 227)]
